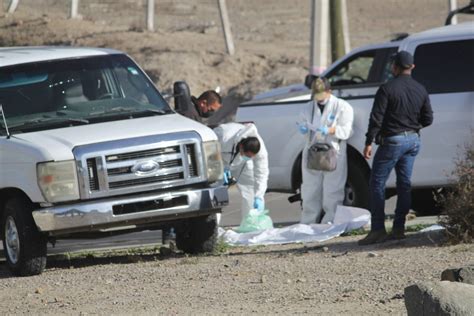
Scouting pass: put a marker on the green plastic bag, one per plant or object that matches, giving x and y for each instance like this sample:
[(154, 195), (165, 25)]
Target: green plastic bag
[(255, 220)]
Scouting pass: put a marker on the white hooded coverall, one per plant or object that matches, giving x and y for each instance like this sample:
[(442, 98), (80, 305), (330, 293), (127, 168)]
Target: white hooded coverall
[(251, 175), (325, 189)]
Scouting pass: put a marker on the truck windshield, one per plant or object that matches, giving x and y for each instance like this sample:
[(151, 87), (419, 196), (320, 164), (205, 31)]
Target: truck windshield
[(52, 94)]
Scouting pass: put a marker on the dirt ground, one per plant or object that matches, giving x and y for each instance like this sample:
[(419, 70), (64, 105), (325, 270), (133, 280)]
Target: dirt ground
[(334, 278), (272, 43)]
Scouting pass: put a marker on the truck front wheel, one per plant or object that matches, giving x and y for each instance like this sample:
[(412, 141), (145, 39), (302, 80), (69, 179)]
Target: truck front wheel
[(24, 246), (197, 235)]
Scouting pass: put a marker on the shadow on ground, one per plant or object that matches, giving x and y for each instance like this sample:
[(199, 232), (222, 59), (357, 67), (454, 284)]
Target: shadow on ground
[(341, 246), (67, 261), (337, 247)]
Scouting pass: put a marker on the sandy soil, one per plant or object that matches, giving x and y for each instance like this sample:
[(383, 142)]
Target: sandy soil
[(333, 278)]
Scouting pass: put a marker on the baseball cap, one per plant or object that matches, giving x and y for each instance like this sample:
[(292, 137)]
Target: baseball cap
[(403, 59), (320, 85)]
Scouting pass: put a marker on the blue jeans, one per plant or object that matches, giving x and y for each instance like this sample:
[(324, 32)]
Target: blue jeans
[(397, 152)]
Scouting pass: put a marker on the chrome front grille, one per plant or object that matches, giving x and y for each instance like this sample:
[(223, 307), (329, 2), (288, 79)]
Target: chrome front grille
[(142, 154), (128, 183), (150, 163)]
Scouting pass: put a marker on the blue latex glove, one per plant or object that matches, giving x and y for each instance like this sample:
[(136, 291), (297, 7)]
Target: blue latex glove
[(227, 175), (302, 128), (259, 204), (323, 129)]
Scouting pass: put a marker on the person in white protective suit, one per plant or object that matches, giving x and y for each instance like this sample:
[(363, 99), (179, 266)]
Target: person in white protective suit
[(326, 119), (246, 159)]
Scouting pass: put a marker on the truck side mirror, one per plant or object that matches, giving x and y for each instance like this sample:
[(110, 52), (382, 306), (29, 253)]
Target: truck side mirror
[(182, 96), (308, 80)]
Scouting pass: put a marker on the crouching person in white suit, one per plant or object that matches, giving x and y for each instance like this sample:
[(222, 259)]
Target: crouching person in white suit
[(246, 158), (327, 119)]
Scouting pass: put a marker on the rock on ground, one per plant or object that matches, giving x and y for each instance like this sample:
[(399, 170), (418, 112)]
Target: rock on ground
[(464, 275), (440, 299)]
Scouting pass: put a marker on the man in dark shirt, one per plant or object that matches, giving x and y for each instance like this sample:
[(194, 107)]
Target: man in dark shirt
[(401, 108), (204, 106)]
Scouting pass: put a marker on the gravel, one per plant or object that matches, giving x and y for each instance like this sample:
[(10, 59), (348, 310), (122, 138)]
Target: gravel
[(272, 41), (297, 278)]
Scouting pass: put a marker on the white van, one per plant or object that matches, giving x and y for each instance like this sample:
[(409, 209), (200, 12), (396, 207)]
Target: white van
[(87, 144), (444, 64)]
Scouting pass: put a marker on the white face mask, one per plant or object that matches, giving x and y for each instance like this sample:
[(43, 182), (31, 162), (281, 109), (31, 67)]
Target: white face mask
[(245, 158), (323, 102)]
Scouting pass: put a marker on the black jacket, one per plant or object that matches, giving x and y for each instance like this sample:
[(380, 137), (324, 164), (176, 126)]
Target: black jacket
[(192, 112), (400, 105)]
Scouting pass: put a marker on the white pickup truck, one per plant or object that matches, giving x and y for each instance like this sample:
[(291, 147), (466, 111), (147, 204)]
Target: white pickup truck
[(444, 64), (87, 144)]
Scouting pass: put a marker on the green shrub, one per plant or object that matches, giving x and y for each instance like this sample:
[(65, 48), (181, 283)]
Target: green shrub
[(458, 204)]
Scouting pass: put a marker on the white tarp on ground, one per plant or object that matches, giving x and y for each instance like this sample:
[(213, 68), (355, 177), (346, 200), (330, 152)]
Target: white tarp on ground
[(346, 219), (432, 228)]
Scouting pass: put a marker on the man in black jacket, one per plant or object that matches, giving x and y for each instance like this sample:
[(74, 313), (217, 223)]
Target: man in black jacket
[(401, 108), (203, 107)]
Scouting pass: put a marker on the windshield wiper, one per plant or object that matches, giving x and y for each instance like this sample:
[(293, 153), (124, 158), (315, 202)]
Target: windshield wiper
[(49, 121), (121, 112), (156, 111), (129, 111)]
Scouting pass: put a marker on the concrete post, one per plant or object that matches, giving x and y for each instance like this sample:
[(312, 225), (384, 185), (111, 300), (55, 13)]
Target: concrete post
[(12, 6), (150, 15), (229, 42), (345, 27), (74, 9), (453, 6), (319, 36)]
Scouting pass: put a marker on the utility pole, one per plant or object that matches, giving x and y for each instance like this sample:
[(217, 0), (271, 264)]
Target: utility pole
[(337, 37), (453, 6), (319, 36), (229, 42), (150, 15), (74, 9)]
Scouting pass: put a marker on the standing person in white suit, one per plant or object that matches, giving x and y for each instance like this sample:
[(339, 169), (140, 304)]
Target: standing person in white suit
[(245, 156), (326, 119)]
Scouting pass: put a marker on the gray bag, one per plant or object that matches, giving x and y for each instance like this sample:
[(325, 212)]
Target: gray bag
[(322, 156)]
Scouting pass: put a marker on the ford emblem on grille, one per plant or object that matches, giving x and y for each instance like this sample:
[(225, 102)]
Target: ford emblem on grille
[(145, 167)]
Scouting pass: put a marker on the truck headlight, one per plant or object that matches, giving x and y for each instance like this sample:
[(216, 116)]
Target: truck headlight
[(58, 181), (214, 164)]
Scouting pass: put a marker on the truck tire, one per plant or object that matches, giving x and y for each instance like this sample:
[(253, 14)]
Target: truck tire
[(197, 235), (357, 186), (24, 246)]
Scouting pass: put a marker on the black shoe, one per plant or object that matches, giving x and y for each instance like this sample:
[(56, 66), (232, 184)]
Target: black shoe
[(397, 234), (373, 237)]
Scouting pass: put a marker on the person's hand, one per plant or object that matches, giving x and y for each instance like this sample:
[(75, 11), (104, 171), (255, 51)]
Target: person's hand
[(258, 203), (323, 130), (302, 128), (367, 151), (227, 176)]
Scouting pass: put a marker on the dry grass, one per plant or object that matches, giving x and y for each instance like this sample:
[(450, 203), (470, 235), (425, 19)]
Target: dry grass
[(458, 204)]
